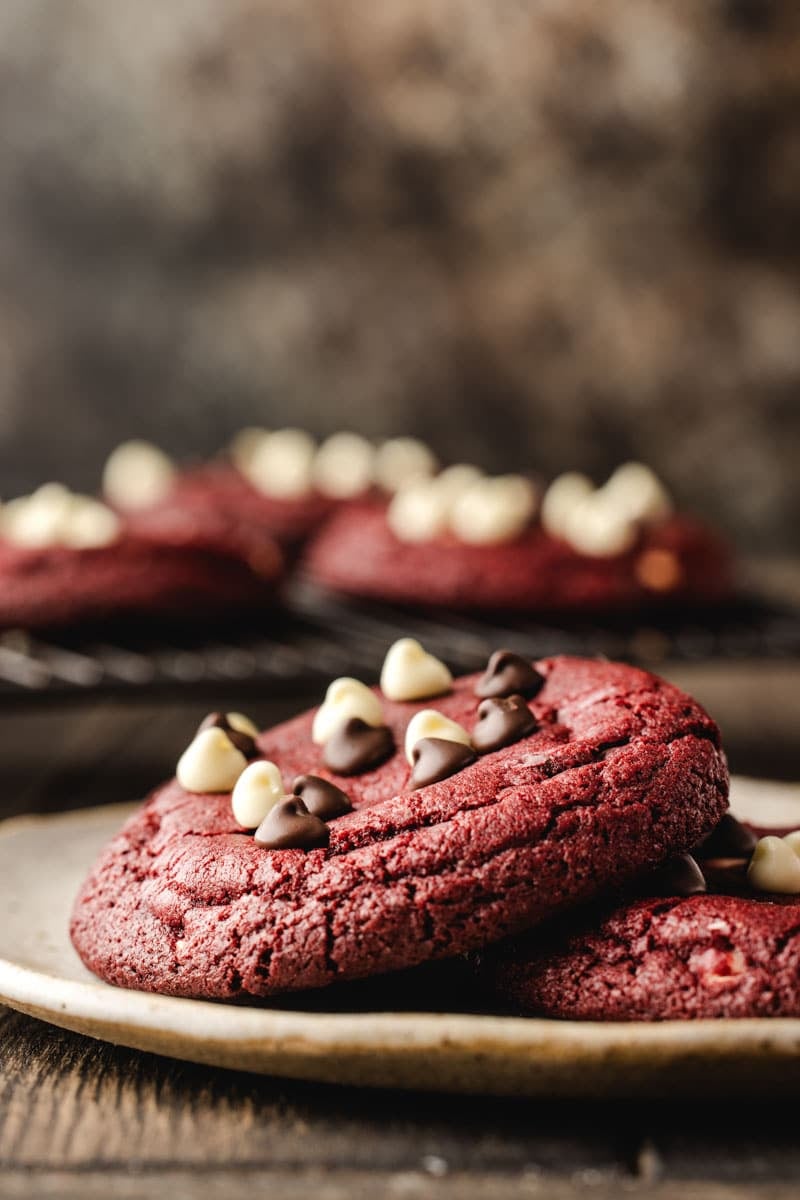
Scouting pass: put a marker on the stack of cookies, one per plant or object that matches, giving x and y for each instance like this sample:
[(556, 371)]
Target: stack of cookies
[(562, 823)]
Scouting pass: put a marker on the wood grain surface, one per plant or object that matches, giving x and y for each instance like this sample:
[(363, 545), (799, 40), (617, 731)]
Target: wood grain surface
[(81, 1119)]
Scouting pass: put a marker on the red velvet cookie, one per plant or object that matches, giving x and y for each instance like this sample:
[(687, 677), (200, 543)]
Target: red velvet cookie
[(357, 554), (620, 771), (164, 563), (729, 951), (221, 488), (280, 483)]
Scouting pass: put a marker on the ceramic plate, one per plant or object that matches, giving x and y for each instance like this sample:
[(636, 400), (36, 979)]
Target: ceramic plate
[(43, 860)]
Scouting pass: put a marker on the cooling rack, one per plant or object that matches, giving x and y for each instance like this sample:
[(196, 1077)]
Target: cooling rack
[(320, 636), (743, 628), (143, 663)]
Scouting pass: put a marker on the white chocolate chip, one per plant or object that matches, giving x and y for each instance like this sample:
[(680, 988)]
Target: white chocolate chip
[(401, 460), (211, 763), (494, 510), (561, 498), (418, 512), (89, 525), (37, 520), (258, 789), (775, 867), (454, 481), (242, 724), (411, 673), (793, 840), (345, 698), (638, 493), (344, 466), (281, 464), (54, 516), (462, 498), (603, 523), (137, 475), (54, 497), (244, 444), (599, 529), (432, 724)]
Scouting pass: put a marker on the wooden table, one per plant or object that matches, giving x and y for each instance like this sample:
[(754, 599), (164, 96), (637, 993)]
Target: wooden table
[(82, 1119)]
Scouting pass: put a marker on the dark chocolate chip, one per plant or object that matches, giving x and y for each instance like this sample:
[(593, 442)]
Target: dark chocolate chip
[(501, 721), (437, 758), (727, 876), (508, 674), (243, 742), (679, 876), (321, 797), (729, 839), (290, 826), (356, 746)]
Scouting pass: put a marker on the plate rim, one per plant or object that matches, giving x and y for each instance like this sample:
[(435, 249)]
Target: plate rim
[(312, 1043)]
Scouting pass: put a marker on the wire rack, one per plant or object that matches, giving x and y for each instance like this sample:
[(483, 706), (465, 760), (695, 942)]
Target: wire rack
[(129, 662), (321, 636), (745, 628)]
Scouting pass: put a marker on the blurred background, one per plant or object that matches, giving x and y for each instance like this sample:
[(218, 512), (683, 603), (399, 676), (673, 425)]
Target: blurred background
[(540, 234), (544, 235)]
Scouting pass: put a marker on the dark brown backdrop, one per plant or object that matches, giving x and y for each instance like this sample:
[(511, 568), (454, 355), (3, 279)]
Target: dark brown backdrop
[(547, 234)]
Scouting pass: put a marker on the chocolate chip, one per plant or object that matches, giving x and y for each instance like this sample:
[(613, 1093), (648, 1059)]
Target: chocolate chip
[(508, 674), (501, 721), (680, 876), (437, 758), (290, 826), (322, 798), (356, 746), (727, 876), (729, 839), (243, 742)]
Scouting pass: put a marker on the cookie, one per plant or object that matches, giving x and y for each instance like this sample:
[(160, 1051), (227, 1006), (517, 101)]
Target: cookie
[(709, 944), (165, 563), (219, 487), (139, 477), (618, 770), (357, 554), (288, 485), (280, 482)]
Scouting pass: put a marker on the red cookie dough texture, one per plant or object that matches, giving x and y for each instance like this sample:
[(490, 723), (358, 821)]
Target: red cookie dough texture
[(656, 960), (622, 771), (166, 563), (357, 554)]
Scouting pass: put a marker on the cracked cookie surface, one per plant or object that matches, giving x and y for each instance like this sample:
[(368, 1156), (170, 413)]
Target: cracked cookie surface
[(622, 771)]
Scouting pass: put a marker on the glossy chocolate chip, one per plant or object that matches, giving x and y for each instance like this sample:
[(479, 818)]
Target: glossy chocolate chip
[(322, 798), (501, 721), (680, 876), (729, 839), (243, 742), (290, 826), (356, 746), (509, 674), (438, 758), (728, 876)]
